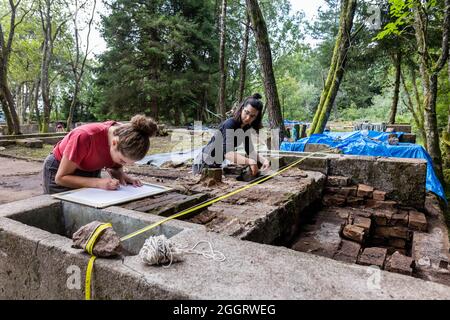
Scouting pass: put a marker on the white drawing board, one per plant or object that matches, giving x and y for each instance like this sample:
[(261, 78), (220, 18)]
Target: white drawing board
[(100, 198)]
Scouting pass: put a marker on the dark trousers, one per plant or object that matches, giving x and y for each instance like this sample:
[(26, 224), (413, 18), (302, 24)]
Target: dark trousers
[(51, 166)]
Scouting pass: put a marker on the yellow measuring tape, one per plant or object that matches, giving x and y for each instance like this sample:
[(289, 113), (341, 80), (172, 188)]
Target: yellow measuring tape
[(177, 215), (89, 247)]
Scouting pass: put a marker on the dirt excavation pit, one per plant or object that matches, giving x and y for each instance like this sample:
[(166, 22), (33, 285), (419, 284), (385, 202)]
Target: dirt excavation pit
[(357, 224), (19, 179)]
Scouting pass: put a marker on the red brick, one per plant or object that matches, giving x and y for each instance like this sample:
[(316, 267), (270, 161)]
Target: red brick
[(349, 191), (329, 200), (400, 263), (364, 213), (348, 251), (331, 190), (382, 217), (338, 181), (379, 195), (382, 205), (345, 191), (363, 223), (417, 221), (399, 219), (373, 256), (354, 233), (364, 191), (354, 201)]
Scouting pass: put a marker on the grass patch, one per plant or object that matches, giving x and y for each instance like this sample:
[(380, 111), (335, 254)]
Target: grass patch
[(29, 153)]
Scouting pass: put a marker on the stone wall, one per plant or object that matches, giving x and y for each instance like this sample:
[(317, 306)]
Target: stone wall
[(402, 179)]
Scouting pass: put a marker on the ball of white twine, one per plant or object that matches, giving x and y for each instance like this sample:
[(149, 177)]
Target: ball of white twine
[(159, 250)]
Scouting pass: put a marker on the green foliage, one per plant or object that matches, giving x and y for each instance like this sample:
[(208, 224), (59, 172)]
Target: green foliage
[(162, 51), (167, 51)]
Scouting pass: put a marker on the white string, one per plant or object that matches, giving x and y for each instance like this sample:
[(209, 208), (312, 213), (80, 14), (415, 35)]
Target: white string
[(159, 250), (212, 254)]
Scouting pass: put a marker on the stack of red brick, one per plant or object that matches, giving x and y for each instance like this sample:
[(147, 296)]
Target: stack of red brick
[(374, 230)]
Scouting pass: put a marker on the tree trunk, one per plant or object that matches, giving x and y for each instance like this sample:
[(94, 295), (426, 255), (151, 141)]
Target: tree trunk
[(77, 67), (336, 71), (419, 102), (47, 53), (154, 108), (27, 109), (265, 57), (5, 93), (47, 23), (8, 100), (37, 84), (414, 111), (19, 102), (430, 70), (446, 133), (431, 128), (177, 115), (222, 66), (243, 62), (398, 66), (45, 90), (72, 106), (5, 108)]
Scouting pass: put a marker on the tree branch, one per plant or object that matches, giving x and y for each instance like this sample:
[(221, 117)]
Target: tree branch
[(445, 35)]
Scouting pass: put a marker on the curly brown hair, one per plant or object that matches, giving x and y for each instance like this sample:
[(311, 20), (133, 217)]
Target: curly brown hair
[(134, 137)]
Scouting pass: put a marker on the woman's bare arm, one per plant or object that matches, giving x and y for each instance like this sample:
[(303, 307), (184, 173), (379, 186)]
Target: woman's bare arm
[(65, 177)]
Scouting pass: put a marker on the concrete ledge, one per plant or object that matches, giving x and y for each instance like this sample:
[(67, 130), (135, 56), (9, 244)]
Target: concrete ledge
[(26, 205)]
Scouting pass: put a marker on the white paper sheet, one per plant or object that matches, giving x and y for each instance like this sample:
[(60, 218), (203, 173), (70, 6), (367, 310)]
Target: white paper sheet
[(103, 198)]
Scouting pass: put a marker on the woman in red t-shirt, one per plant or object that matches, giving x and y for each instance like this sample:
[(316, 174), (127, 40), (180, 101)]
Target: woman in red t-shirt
[(77, 160)]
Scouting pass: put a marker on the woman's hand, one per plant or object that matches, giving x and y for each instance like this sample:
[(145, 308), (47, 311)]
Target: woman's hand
[(253, 167), (266, 165), (117, 174), (123, 178), (134, 181), (108, 184)]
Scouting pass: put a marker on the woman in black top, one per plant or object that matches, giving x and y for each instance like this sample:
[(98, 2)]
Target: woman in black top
[(232, 133)]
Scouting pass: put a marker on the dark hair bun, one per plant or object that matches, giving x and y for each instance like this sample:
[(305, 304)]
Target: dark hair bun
[(256, 96), (143, 124)]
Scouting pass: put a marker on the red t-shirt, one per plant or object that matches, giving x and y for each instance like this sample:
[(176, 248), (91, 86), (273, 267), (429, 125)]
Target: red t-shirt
[(87, 146)]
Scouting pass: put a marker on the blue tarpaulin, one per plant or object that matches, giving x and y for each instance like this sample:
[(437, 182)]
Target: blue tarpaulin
[(293, 122), (371, 143)]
